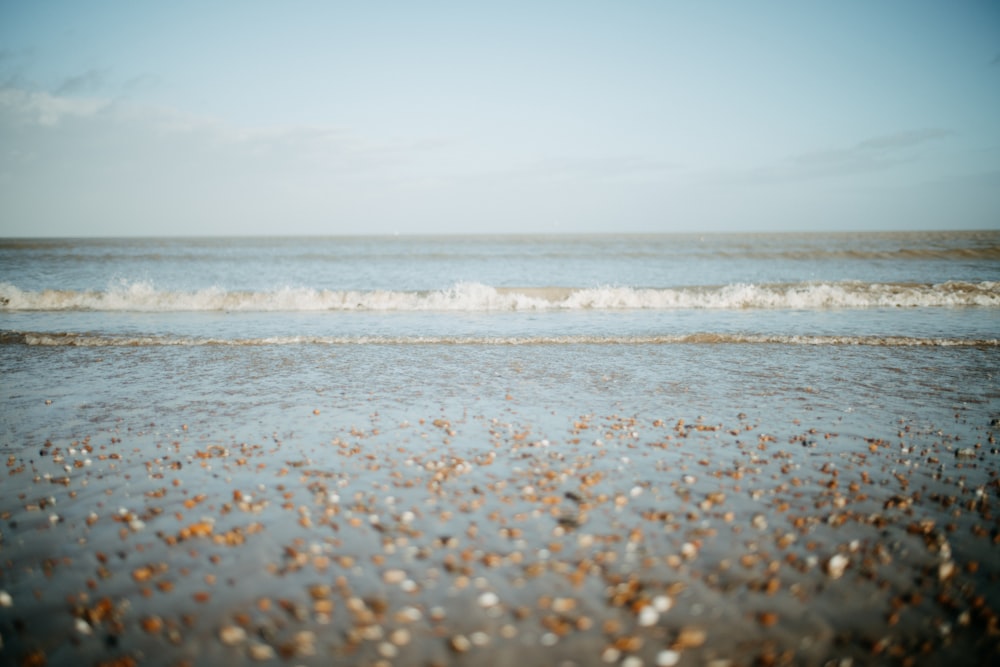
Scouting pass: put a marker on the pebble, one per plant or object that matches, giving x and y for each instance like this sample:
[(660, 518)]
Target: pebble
[(400, 637), (83, 627), (261, 652), (230, 635), (836, 565), (690, 637), (305, 642), (563, 605), (6, 600), (409, 615), (460, 643), (488, 599), (152, 624), (662, 603), (648, 616), (394, 576), (667, 658)]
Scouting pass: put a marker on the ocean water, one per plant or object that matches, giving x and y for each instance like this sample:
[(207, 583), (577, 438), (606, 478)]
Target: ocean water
[(616, 319), (825, 342), (870, 327)]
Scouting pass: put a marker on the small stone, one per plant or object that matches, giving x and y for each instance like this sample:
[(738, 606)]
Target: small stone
[(305, 642), (400, 637), (460, 644), (648, 616), (662, 603), (152, 624), (767, 618), (488, 599), (394, 576), (230, 635), (836, 565), (667, 658), (83, 627), (690, 637), (319, 592), (409, 615), (6, 600), (261, 652), (563, 605), (966, 453)]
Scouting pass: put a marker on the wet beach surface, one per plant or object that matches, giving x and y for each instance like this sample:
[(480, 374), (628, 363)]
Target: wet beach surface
[(166, 511)]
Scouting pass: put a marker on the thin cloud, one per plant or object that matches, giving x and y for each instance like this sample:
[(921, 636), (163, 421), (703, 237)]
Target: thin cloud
[(163, 135), (590, 169), (874, 154), (45, 109), (91, 81), (901, 140)]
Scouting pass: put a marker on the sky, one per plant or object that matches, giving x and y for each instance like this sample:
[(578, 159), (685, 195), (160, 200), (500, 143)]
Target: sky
[(298, 117)]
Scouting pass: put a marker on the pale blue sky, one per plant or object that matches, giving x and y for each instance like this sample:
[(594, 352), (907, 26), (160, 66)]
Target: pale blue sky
[(439, 117)]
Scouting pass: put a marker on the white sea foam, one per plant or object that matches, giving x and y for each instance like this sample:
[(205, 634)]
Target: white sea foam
[(72, 339), (145, 297)]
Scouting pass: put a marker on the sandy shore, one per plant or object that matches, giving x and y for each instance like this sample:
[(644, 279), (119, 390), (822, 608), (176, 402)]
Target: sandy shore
[(471, 540)]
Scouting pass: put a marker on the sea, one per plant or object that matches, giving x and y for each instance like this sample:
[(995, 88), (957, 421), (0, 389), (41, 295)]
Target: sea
[(884, 325), (185, 368)]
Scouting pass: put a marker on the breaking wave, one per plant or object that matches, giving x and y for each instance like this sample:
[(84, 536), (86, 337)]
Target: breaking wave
[(68, 339), (145, 297)]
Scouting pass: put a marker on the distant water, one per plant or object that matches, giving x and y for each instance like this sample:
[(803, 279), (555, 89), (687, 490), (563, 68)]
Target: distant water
[(882, 324)]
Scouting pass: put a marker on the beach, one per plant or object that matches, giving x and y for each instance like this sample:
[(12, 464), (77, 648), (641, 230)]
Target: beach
[(706, 463)]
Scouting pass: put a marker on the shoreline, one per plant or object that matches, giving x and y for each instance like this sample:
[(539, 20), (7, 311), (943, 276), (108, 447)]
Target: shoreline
[(452, 539)]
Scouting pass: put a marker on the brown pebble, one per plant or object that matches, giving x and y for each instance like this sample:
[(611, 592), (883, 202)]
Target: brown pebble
[(400, 637), (690, 637), (152, 624), (393, 576), (261, 652), (319, 591), (563, 605), (460, 643), (767, 618)]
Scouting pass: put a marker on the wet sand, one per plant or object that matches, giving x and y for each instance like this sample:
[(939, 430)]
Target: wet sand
[(459, 539)]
